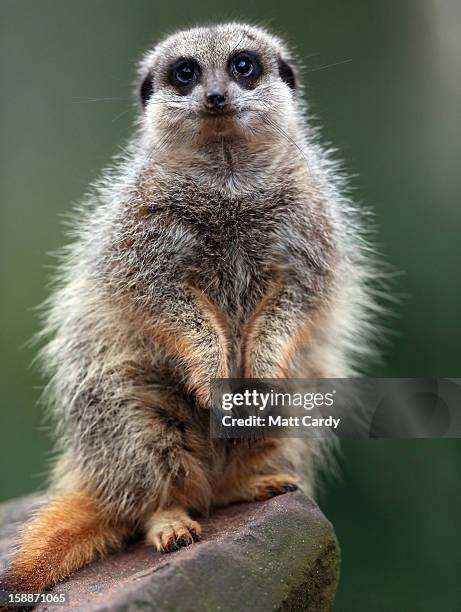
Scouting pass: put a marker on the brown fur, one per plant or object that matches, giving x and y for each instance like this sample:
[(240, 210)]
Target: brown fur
[(252, 470), (65, 535)]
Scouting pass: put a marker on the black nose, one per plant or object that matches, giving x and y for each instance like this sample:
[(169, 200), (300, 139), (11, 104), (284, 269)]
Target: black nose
[(216, 101)]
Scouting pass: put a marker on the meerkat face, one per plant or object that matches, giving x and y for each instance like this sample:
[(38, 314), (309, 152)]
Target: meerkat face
[(228, 82)]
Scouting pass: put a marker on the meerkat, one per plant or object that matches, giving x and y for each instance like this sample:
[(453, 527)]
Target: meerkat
[(221, 244)]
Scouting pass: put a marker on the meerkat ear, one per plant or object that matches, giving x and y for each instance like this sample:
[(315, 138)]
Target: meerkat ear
[(147, 89), (287, 74)]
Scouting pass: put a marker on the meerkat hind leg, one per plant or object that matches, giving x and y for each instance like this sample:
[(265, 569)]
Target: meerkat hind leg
[(264, 487), (257, 487), (171, 529)]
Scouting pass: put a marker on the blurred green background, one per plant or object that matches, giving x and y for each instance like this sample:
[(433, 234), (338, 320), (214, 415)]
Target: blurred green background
[(394, 112)]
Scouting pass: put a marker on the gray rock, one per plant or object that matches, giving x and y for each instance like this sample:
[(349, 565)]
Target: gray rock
[(281, 554)]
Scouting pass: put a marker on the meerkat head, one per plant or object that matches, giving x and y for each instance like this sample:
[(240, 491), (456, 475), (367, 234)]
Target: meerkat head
[(224, 82)]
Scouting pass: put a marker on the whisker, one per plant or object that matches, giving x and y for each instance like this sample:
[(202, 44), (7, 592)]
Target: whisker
[(87, 100), (283, 133), (121, 114), (346, 61)]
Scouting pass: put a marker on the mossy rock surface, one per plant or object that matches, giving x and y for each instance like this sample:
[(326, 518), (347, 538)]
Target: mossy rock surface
[(281, 554)]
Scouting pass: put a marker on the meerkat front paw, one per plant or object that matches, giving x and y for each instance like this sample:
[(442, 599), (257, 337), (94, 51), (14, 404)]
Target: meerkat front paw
[(169, 530), (265, 487)]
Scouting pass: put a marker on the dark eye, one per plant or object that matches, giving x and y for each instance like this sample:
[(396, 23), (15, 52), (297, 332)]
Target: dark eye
[(243, 66), (184, 73)]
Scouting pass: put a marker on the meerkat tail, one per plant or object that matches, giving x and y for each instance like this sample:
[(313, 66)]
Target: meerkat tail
[(66, 534)]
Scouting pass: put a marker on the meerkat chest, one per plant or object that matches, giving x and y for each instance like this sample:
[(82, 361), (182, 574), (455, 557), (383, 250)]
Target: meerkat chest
[(230, 260), (229, 244)]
